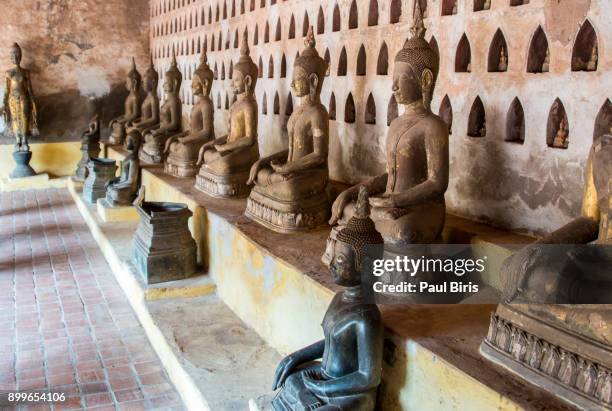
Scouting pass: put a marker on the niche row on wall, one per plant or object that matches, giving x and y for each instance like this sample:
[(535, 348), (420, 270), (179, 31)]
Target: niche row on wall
[(557, 125), (198, 18)]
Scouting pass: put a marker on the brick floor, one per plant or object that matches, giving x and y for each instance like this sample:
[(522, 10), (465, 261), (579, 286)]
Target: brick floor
[(65, 324)]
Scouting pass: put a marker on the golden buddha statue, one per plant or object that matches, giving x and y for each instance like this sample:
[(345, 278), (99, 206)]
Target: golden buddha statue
[(183, 149), (170, 118), (226, 161), (290, 192), (19, 106), (132, 107), (150, 106), (553, 327), (407, 201)]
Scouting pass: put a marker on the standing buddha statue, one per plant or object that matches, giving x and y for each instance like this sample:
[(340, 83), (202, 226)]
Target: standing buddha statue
[(132, 107), (170, 118), (408, 205), (226, 161), (20, 112), (150, 106), (350, 371), (290, 192), (183, 149)]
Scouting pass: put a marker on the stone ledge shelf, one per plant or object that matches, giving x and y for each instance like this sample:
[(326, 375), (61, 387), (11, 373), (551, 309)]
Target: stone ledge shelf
[(276, 285)]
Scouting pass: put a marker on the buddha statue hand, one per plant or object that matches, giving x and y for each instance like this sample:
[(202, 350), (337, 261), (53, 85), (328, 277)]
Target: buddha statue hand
[(169, 143), (284, 369), (341, 202), (313, 380), (516, 270), (111, 182)]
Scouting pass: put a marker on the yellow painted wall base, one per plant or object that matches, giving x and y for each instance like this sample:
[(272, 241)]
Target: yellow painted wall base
[(37, 182), (55, 159), (109, 213)]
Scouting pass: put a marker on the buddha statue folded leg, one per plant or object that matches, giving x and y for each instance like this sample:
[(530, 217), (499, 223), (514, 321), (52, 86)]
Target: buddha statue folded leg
[(225, 175), (152, 150), (287, 203), (182, 159)]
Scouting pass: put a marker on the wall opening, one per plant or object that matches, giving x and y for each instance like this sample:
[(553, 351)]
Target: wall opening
[(236, 39), (256, 35), (603, 121), (392, 110), (463, 57), (283, 68), (518, 2), (252, 6), (370, 113), (353, 16), (292, 27), (223, 70), (219, 101), (585, 54), (227, 103), (361, 61), (264, 104), (434, 45), (336, 18), (342, 63), (538, 60), (320, 22), (382, 66), (231, 70), (289, 105), (477, 120), (449, 7), (480, 5), (557, 128), (267, 33), (332, 106), (277, 36), (305, 24), (446, 113), (515, 122), (498, 54), (395, 11), (373, 13), (271, 67), (233, 13), (276, 104), (327, 58), (349, 109)]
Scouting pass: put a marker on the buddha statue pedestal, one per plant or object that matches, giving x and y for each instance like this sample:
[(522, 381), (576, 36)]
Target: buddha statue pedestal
[(22, 165), (90, 148), (163, 247), (100, 172), (223, 185)]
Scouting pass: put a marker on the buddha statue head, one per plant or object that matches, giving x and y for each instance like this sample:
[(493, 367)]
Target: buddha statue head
[(355, 244), (245, 71), (151, 78), (174, 78), (16, 54), (133, 78), (202, 77), (132, 142), (416, 66), (309, 70)]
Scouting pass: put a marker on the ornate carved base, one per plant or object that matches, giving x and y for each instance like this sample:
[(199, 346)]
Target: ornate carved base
[(571, 366), (285, 217), (151, 155), (223, 186), (22, 165), (179, 168)]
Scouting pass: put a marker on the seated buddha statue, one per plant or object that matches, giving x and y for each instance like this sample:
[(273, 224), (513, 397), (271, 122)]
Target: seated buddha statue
[(122, 190), (290, 192), (169, 118), (150, 106), (182, 150), (557, 299), (407, 201), (348, 375), (132, 107), (226, 161)]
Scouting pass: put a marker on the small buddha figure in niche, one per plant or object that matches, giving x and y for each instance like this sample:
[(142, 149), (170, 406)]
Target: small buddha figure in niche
[(408, 203), (503, 60), (132, 107), (170, 118), (290, 190), (19, 106), (454, 7), (546, 62), (183, 148), (122, 191), (486, 5), (592, 64), (150, 106), (561, 138), (348, 376), (226, 161)]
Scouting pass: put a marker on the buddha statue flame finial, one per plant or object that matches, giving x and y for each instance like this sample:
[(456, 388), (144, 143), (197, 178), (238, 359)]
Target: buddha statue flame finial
[(134, 74), (245, 64), (203, 71), (309, 41), (309, 59), (244, 47), (174, 73), (418, 27)]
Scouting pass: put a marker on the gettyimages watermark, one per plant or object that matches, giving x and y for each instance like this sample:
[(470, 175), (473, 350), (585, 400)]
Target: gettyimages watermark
[(462, 273)]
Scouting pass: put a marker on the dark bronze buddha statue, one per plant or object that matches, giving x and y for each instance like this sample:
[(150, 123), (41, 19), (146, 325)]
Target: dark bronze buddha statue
[(122, 190), (348, 375), (132, 107)]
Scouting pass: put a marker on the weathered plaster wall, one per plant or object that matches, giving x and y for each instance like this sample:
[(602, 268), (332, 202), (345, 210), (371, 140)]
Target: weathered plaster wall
[(77, 50), (530, 186)]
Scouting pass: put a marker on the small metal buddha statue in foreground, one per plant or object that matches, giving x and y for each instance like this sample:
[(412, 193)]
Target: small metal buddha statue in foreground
[(132, 107), (183, 149), (122, 191), (348, 376), (226, 161), (150, 106), (408, 203), (170, 118), (90, 147), (553, 328), (290, 192), (20, 112)]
